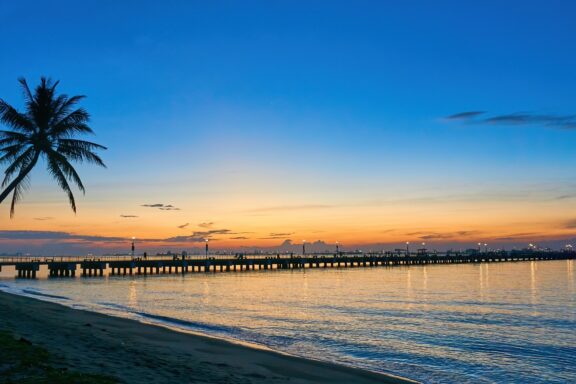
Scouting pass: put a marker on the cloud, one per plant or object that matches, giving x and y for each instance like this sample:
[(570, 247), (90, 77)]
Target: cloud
[(68, 237), (465, 115), (565, 197), (54, 235), (443, 236), (162, 207), (570, 224), (519, 236), (275, 235), (517, 118), (183, 225), (43, 218), (185, 239), (200, 236), (128, 216), (239, 238), (207, 224)]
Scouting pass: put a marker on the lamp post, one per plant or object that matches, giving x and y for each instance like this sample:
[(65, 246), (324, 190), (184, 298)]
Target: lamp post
[(479, 245), (303, 247), (485, 247), (407, 248), (337, 248), (206, 241), (133, 246)]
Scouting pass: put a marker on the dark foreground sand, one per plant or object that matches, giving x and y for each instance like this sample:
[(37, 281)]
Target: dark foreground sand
[(139, 353)]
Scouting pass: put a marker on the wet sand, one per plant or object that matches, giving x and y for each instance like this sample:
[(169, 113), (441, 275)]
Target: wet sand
[(140, 353)]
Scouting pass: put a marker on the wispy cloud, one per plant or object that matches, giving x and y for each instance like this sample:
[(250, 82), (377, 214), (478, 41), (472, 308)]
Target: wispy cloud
[(465, 115), (518, 236), (281, 234), (67, 237), (128, 216), (183, 225), (423, 235), (43, 218), (277, 235), (162, 207), (200, 236), (565, 197), (517, 118), (207, 224), (55, 235), (239, 238)]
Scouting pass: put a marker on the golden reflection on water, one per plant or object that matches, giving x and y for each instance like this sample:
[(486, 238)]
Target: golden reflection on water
[(132, 294), (448, 318), (533, 284), (570, 273), (482, 285), (425, 278)]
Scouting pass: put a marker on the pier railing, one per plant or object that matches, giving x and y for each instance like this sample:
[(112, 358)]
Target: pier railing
[(127, 264)]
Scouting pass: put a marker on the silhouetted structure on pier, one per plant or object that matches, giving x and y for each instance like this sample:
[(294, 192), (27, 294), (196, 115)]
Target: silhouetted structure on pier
[(127, 265)]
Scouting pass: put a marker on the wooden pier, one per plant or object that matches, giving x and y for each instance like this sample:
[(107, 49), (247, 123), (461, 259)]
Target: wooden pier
[(67, 266)]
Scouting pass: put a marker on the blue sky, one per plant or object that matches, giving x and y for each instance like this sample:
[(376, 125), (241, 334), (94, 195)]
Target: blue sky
[(311, 102)]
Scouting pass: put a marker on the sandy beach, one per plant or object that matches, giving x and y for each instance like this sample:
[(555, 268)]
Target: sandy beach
[(139, 353)]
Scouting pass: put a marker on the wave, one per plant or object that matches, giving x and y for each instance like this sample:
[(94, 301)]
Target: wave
[(37, 293)]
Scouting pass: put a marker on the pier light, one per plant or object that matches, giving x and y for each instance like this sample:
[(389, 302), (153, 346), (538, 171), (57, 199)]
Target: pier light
[(408, 248), (206, 241), (133, 246), (337, 247)]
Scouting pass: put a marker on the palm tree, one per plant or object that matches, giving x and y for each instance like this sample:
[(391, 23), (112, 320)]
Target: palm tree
[(46, 129)]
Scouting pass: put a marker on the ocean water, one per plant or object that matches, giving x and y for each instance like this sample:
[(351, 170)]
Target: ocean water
[(489, 323)]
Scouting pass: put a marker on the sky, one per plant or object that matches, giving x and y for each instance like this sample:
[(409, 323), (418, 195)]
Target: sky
[(370, 123)]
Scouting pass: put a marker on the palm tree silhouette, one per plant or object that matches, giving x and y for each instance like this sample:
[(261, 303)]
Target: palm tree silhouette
[(46, 129)]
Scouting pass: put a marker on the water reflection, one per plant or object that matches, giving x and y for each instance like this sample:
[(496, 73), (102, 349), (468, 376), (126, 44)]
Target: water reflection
[(132, 295), (505, 322), (570, 273)]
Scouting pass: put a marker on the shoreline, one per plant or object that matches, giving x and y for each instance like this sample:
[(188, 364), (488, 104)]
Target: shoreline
[(137, 352)]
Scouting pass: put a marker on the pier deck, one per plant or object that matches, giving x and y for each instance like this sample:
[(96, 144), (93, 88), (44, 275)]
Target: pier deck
[(66, 266)]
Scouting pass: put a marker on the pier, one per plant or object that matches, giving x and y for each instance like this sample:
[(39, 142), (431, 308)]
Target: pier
[(66, 266)]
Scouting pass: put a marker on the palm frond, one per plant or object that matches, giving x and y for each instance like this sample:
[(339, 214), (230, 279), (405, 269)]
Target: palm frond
[(74, 122), (11, 152), (62, 106), (9, 138), (27, 93), (80, 155), (81, 150), (19, 190), (56, 172), (18, 165), (67, 169), (15, 135), (14, 119)]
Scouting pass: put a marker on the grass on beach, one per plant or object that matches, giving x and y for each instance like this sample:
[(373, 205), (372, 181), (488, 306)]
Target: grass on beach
[(22, 362)]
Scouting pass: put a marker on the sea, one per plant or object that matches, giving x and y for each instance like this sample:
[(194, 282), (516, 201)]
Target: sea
[(512, 322)]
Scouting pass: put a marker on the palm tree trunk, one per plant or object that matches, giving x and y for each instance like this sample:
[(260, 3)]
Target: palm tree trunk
[(21, 175)]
